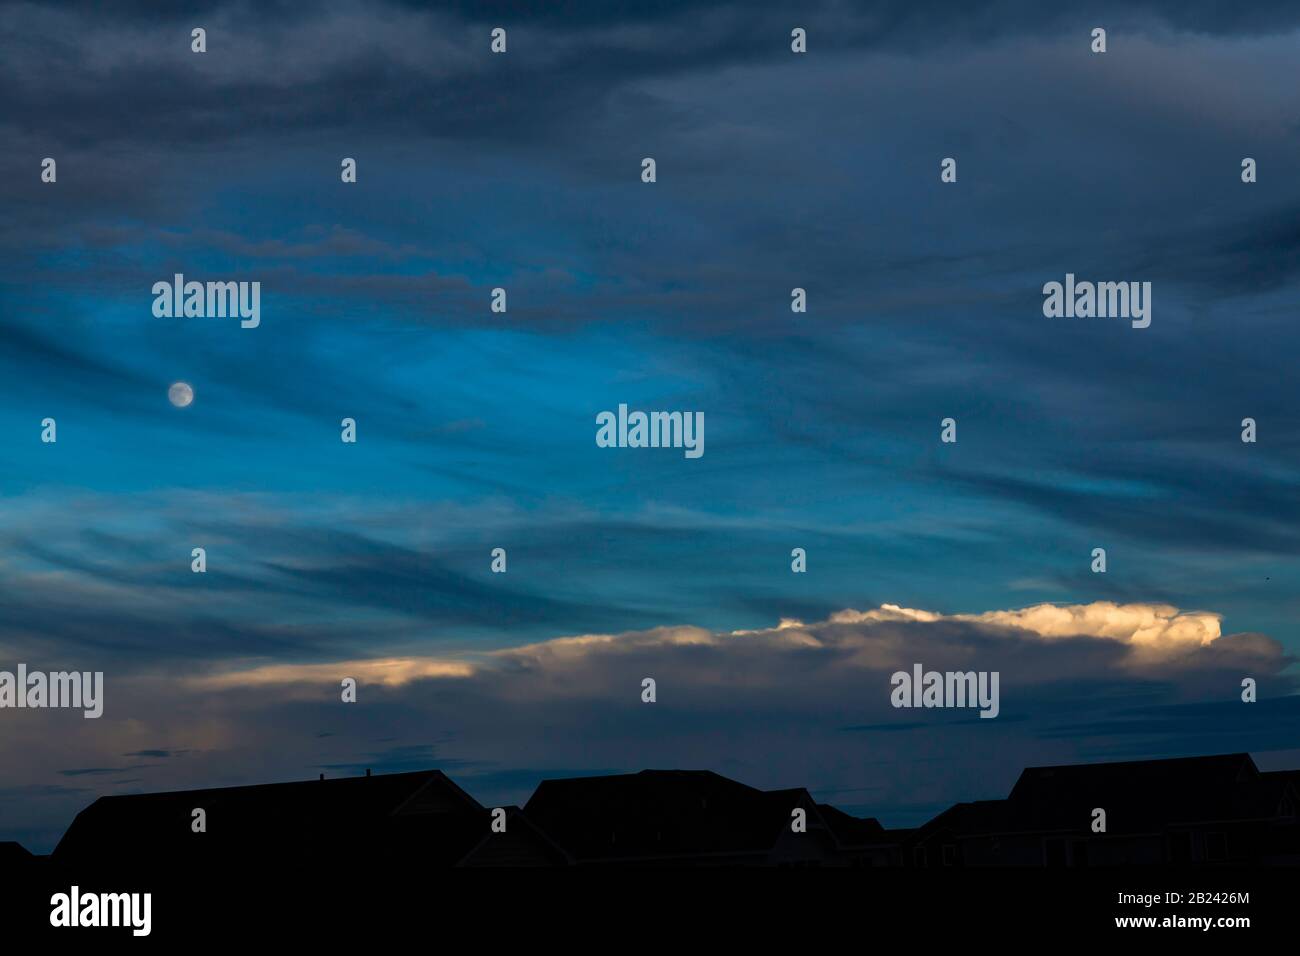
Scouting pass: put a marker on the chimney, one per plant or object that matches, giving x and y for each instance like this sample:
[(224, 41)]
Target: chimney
[(322, 776), (367, 771)]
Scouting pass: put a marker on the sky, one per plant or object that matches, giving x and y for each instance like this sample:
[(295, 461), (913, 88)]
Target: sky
[(476, 429)]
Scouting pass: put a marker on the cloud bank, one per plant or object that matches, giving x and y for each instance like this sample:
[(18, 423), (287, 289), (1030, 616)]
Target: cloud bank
[(1150, 634), (798, 703)]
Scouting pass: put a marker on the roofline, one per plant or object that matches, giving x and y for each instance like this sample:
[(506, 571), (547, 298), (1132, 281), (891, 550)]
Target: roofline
[(259, 786), (1124, 763)]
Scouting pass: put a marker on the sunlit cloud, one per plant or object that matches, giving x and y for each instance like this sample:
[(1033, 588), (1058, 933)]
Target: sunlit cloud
[(389, 672), (858, 638)]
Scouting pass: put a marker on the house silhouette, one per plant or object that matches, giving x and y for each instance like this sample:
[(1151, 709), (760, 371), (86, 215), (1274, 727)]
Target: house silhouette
[(689, 818), (862, 841), (1189, 810), (388, 816), (1203, 811), (522, 844)]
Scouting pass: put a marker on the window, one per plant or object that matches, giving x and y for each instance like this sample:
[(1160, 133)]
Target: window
[(949, 854)]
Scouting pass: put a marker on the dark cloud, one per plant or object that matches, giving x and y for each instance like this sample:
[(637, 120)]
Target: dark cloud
[(158, 753)]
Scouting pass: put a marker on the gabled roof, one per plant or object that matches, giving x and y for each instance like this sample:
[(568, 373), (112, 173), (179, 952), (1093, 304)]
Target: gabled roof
[(288, 815), (523, 843), (1142, 795), (967, 819), (663, 813), (1139, 796), (849, 830)]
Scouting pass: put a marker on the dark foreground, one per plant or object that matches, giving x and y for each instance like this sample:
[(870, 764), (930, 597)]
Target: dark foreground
[(344, 899)]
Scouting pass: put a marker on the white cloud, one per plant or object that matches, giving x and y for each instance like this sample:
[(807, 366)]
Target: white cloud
[(1148, 625), (389, 672), (869, 639)]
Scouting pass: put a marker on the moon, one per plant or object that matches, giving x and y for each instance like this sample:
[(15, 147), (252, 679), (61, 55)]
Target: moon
[(180, 394)]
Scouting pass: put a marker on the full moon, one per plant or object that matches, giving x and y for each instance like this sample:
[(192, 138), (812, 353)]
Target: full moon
[(180, 394)]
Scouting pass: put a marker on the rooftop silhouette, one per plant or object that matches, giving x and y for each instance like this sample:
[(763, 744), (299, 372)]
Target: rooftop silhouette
[(1208, 810)]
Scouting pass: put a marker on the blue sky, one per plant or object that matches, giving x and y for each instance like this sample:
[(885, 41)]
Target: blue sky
[(476, 430)]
